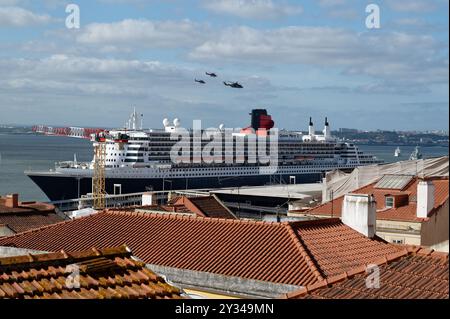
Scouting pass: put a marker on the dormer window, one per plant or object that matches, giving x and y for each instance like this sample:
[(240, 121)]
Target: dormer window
[(389, 202)]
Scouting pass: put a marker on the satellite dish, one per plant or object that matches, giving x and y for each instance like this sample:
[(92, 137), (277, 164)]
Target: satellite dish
[(176, 122), (166, 122)]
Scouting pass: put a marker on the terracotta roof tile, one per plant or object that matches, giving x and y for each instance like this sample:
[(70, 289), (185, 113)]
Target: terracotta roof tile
[(291, 253), (204, 206), (337, 248), (402, 213), (416, 274), (20, 222), (106, 273)]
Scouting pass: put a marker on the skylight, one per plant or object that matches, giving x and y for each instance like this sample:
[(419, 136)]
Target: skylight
[(394, 181)]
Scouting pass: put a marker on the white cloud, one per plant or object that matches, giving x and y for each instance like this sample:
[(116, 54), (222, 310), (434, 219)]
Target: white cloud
[(81, 76), (253, 9), (19, 17), (145, 33), (317, 45), (398, 57), (68, 86)]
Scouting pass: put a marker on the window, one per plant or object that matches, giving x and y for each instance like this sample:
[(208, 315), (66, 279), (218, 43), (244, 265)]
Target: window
[(389, 202), (397, 241), (117, 189)]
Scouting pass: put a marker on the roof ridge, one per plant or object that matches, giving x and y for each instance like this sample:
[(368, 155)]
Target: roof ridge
[(29, 258), (223, 205), (304, 252), (193, 203), (426, 251), (318, 221), (169, 215)]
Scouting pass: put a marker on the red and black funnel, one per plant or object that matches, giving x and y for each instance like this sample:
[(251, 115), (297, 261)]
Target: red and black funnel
[(261, 120)]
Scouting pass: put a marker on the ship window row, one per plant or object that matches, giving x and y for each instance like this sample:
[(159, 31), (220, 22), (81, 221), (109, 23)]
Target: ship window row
[(230, 171)]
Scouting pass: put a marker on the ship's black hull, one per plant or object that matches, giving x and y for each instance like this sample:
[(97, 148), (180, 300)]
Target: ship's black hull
[(67, 187)]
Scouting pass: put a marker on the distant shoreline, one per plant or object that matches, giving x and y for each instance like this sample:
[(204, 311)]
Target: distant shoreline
[(28, 133)]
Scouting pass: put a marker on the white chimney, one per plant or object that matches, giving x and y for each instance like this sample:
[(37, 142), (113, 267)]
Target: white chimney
[(425, 198), (359, 212), (326, 130), (311, 130), (149, 199)]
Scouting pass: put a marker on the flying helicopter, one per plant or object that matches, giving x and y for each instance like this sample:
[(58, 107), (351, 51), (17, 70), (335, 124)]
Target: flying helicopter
[(234, 85), (199, 81), (213, 75)]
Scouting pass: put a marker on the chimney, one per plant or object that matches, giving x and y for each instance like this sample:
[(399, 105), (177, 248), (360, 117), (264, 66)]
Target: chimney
[(425, 198), (326, 130), (12, 201), (311, 128), (359, 212), (149, 199)]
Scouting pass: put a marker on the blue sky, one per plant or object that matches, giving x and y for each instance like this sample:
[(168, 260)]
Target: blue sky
[(295, 58)]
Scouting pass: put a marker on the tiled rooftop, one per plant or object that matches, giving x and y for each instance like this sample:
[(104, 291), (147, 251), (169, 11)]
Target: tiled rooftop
[(23, 216), (206, 206), (402, 213), (25, 207), (298, 253), (20, 222), (202, 206), (413, 274), (103, 274), (337, 247)]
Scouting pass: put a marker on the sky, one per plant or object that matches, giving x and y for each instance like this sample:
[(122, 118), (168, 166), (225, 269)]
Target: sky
[(295, 58)]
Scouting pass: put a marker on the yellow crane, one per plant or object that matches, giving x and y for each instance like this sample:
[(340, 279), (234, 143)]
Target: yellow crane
[(98, 178)]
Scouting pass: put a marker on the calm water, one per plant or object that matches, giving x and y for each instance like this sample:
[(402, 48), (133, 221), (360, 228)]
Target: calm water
[(23, 152)]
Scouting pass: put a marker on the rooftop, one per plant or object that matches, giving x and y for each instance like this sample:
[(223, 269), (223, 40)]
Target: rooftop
[(110, 273), (202, 206), (205, 206), (297, 253), (292, 191), (414, 273), (8, 205), (22, 216), (405, 212)]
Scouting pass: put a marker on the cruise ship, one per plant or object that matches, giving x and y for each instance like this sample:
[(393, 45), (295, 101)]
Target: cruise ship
[(174, 158)]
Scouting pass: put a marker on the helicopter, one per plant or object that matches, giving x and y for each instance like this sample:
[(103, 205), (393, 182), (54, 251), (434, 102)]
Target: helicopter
[(213, 75), (199, 81), (234, 85)]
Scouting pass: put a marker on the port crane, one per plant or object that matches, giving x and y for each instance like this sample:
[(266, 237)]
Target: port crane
[(98, 178)]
